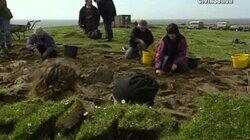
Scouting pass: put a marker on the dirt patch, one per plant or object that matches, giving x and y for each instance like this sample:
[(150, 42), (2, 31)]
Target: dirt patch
[(177, 91), (55, 80)]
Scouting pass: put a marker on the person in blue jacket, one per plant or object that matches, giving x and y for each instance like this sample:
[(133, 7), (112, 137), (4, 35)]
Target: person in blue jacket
[(44, 43)]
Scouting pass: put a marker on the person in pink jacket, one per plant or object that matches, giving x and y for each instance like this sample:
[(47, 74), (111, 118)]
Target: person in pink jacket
[(172, 52)]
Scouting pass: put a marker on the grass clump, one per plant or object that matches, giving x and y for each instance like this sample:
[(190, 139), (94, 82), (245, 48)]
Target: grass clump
[(35, 124), (144, 118), (220, 116), (14, 113), (4, 91), (141, 122), (70, 118), (100, 123)]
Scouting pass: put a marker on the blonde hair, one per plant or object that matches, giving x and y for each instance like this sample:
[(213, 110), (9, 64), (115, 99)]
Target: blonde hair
[(39, 31)]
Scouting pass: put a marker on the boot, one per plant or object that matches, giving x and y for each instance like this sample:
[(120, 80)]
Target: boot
[(9, 47)]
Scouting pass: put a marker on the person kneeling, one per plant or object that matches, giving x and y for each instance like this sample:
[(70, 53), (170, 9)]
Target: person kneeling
[(141, 39), (89, 19), (172, 52), (43, 42), (136, 88)]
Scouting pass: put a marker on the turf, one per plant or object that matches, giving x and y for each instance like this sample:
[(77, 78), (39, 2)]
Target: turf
[(221, 116)]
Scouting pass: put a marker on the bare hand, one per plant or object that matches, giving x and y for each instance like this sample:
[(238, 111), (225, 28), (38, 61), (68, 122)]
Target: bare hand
[(44, 56), (174, 67), (159, 72)]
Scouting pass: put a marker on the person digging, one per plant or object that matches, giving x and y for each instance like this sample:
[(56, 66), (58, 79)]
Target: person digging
[(141, 39), (136, 88), (43, 42), (172, 52)]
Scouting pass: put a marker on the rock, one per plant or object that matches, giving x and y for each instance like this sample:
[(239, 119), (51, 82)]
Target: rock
[(206, 87), (179, 115), (16, 64), (103, 74), (216, 66), (22, 79), (166, 92)]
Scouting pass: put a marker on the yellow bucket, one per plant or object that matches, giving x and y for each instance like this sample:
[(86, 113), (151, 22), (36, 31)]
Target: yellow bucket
[(148, 57), (240, 61)]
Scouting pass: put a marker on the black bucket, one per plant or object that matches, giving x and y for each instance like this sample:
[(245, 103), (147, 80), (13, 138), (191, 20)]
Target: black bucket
[(193, 62), (70, 51)]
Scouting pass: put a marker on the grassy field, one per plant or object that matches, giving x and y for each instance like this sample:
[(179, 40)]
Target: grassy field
[(204, 43), (219, 116)]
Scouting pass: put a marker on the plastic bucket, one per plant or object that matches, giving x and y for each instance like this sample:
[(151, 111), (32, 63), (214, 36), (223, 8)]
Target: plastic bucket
[(70, 51), (240, 61), (193, 62), (148, 57)]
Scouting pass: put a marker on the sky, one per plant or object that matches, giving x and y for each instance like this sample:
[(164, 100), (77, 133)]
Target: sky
[(139, 9)]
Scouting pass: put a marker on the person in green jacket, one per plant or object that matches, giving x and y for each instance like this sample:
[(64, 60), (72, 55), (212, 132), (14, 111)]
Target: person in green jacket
[(89, 17), (5, 33)]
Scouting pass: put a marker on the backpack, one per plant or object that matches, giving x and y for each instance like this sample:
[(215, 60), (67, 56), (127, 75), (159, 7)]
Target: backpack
[(136, 88), (96, 34)]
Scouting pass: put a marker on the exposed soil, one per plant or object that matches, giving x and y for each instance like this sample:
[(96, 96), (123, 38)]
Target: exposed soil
[(178, 91)]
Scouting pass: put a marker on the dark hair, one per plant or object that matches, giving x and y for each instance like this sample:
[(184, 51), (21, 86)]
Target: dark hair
[(143, 23), (173, 29)]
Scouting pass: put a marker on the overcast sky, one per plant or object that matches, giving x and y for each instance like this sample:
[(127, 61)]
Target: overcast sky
[(146, 9)]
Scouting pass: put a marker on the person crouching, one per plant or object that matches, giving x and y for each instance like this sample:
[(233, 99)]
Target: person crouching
[(44, 43), (89, 18), (172, 52), (141, 39)]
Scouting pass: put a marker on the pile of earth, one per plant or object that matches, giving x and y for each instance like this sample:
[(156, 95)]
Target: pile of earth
[(97, 71)]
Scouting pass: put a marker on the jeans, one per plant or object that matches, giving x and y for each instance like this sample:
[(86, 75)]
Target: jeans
[(108, 28), (167, 66), (135, 51), (5, 35)]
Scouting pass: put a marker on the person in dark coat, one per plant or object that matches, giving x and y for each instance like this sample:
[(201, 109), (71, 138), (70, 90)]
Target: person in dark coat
[(136, 88), (5, 32), (141, 39), (172, 52), (89, 17), (108, 12)]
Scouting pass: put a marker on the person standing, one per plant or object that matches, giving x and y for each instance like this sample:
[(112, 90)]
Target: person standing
[(108, 12), (5, 34)]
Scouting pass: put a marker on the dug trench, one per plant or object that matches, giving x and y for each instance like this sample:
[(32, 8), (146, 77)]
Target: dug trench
[(97, 71)]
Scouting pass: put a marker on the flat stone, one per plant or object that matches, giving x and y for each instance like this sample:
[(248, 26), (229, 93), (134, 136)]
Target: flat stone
[(206, 87), (102, 74)]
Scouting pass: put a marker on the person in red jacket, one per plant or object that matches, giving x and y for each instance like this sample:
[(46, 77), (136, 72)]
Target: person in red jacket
[(172, 52)]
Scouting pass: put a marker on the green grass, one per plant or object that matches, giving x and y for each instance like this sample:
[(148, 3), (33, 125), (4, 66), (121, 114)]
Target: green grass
[(204, 43), (220, 117), (4, 91), (26, 128), (139, 117), (128, 117), (99, 123), (14, 113)]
